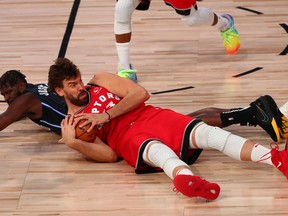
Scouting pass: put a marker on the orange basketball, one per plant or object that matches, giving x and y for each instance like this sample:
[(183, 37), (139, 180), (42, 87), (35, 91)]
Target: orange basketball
[(82, 134)]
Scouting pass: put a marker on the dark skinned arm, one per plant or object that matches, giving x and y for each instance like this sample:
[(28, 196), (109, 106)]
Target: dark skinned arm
[(26, 105)]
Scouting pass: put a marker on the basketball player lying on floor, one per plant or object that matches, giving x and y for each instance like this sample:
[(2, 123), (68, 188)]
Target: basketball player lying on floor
[(34, 101), (148, 138), (47, 109)]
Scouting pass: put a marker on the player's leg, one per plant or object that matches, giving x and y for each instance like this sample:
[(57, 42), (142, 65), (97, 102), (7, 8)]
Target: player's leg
[(225, 23), (156, 154), (209, 115), (263, 112), (207, 137), (123, 32), (201, 16), (226, 117)]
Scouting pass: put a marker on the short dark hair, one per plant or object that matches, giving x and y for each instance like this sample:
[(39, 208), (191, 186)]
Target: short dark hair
[(12, 78), (62, 69)]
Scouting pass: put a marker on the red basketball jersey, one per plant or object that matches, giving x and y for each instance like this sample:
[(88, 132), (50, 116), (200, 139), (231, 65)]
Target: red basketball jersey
[(128, 134)]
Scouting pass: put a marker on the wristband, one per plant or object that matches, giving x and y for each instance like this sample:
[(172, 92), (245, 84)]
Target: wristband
[(108, 116)]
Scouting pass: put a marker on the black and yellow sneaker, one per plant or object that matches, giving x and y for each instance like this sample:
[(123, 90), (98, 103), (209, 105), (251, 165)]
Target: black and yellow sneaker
[(267, 116)]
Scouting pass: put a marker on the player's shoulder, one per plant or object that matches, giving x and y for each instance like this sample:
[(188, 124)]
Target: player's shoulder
[(24, 102), (28, 96), (104, 74)]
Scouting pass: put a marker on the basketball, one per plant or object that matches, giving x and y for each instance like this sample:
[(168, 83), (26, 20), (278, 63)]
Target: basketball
[(82, 134)]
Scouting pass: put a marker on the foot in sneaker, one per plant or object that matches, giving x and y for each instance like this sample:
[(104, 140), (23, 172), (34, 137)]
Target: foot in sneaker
[(265, 114), (230, 37), (280, 159), (195, 186), (127, 73)]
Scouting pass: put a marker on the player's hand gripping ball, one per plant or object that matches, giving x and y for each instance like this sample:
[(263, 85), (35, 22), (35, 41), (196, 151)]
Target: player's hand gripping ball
[(82, 134)]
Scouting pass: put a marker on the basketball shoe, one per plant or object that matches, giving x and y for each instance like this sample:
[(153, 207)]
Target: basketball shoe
[(127, 73), (230, 36), (195, 186), (267, 116), (280, 159)]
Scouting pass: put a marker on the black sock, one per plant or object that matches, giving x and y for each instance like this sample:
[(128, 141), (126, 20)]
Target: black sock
[(244, 116)]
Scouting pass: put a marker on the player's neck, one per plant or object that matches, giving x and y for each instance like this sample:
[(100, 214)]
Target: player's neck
[(73, 108)]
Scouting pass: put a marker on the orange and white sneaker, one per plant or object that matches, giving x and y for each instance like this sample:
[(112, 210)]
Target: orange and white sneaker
[(280, 159), (195, 186)]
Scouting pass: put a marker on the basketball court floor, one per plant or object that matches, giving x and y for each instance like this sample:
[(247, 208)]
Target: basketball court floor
[(184, 68)]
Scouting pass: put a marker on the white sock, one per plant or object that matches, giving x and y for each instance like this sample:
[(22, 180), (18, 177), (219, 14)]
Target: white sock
[(261, 154), (123, 50), (185, 171), (160, 155)]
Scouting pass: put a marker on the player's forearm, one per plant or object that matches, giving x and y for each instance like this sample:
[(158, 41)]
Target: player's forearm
[(134, 98), (132, 94), (5, 121), (97, 151)]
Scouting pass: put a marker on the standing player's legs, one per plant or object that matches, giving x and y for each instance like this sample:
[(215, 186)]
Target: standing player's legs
[(123, 32), (192, 15)]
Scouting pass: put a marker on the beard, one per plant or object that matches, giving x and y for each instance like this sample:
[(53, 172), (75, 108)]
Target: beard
[(81, 100)]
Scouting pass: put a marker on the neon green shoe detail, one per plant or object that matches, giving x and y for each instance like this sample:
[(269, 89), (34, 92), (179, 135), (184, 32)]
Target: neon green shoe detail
[(230, 37), (127, 73)]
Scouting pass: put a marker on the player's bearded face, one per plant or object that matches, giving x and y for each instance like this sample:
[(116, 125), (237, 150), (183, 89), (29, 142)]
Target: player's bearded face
[(80, 100)]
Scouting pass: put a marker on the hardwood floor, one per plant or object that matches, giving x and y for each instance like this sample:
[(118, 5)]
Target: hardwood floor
[(40, 177)]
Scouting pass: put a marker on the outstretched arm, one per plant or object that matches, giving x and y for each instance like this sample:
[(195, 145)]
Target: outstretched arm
[(97, 150)]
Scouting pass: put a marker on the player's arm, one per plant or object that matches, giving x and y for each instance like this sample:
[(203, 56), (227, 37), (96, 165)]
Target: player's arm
[(97, 150), (18, 109), (133, 94)]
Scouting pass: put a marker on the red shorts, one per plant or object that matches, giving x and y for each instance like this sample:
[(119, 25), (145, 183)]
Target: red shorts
[(182, 7), (129, 134)]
